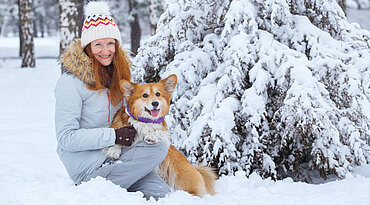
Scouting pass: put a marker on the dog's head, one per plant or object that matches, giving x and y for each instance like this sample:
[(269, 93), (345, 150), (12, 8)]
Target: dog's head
[(150, 101)]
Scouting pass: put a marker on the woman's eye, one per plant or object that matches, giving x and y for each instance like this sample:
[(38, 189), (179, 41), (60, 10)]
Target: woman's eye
[(158, 94), (145, 95)]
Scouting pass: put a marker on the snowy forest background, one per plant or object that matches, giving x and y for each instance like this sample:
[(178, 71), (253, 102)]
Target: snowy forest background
[(276, 87)]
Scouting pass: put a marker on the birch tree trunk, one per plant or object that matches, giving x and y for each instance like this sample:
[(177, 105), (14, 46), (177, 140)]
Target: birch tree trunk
[(67, 23), (26, 33)]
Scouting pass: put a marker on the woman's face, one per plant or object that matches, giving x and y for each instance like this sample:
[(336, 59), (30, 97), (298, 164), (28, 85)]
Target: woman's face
[(103, 50)]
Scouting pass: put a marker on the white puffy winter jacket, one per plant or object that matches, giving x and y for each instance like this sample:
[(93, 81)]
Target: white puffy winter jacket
[(82, 116)]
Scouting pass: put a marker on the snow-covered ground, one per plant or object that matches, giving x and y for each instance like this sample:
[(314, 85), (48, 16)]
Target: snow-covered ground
[(31, 172)]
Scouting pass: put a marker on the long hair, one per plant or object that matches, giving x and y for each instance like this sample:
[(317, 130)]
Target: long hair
[(121, 70)]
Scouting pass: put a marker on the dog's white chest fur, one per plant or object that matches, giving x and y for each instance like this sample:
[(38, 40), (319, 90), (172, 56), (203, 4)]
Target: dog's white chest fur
[(150, 132)]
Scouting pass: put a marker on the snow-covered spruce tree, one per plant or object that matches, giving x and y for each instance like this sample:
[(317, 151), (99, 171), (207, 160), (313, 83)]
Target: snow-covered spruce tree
[(280, 88)]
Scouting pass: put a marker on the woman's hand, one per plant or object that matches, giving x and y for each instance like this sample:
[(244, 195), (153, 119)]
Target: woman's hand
[(125, 135)]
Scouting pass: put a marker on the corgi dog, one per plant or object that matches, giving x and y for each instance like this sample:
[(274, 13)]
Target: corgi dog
[(146, 107)]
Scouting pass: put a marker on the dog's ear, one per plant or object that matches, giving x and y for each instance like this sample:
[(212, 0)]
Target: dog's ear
[(170, 83), (127, 88)]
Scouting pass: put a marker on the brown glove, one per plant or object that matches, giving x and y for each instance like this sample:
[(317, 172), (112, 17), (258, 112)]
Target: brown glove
[(125, 135)]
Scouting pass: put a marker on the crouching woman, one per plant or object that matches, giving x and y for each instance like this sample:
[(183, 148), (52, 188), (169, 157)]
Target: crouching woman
[(87, 97)]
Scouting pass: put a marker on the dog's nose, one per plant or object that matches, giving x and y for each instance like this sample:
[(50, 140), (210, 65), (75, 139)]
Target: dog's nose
[(155, 103)]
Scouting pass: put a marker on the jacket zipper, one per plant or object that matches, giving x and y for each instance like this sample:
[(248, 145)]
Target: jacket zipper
[(108, 107)]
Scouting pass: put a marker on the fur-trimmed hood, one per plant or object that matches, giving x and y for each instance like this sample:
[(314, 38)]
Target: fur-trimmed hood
[(75, 61)]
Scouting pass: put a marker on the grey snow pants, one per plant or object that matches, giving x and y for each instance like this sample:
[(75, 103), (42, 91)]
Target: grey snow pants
[(134, 170)]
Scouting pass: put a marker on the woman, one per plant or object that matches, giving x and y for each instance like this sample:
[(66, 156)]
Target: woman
[(87, 97)]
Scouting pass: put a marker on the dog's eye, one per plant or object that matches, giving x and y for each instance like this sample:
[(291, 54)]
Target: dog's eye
[(145, 95), (158, 94)]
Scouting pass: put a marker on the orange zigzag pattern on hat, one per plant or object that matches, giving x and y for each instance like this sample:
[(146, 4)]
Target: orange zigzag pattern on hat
[(98, 21)]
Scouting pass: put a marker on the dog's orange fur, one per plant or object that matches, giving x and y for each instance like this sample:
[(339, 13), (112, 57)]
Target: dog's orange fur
[(175, 169), (179, 173)]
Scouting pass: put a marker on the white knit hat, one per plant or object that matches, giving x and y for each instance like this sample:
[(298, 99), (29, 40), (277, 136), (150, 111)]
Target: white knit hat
[(98, 23)]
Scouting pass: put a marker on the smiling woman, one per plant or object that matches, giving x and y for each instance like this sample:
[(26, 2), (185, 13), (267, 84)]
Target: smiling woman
[(87, 96)]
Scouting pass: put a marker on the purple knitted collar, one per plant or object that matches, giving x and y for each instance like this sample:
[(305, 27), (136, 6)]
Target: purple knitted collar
[(144, 119)]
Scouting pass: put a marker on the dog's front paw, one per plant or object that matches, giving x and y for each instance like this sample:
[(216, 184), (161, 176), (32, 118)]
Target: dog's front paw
[(151, 139), (113, 151), (157, 136)]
